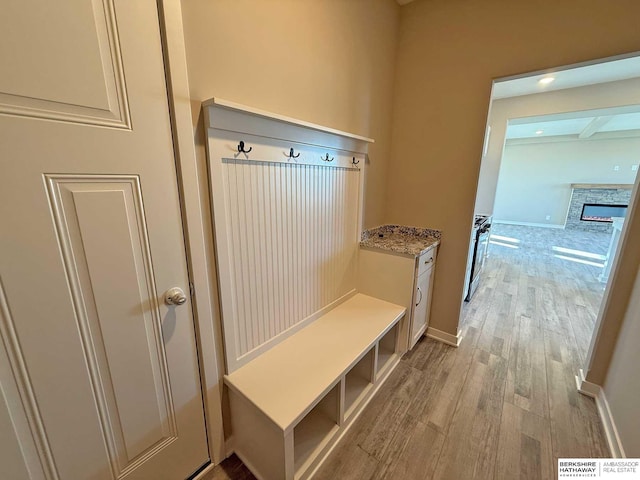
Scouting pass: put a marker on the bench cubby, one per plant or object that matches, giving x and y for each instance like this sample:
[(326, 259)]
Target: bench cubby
[(358, 381), (316, 429), (387, 348)]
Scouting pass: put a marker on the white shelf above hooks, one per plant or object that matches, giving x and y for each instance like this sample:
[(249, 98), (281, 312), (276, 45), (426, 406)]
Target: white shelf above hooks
[(237, 107)]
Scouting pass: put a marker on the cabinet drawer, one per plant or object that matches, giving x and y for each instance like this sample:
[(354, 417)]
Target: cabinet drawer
[(427, 260)]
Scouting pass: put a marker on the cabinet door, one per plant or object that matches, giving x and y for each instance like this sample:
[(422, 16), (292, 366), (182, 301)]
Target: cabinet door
[(422, 301)]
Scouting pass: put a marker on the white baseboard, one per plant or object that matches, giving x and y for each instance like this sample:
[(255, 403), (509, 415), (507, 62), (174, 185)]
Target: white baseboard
[(604, 412), (530, 224), (615, 444), (228, 445), (204, 472), (587, 388), (444, 337)]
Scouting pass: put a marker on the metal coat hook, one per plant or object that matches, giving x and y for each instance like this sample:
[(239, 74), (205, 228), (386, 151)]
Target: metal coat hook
[(291, 155), (241, 148), (353, 161), (327, 159)]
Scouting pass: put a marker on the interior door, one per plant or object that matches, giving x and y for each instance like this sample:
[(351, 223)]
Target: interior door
[(98, 375)]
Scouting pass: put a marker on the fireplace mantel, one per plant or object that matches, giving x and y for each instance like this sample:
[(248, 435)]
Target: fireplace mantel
[(628, 186)]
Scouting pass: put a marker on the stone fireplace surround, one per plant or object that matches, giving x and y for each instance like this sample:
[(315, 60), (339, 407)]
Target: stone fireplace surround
[(609, 194)]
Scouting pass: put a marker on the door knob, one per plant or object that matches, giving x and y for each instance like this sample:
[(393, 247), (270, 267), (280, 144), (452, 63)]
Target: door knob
[(175, 296)]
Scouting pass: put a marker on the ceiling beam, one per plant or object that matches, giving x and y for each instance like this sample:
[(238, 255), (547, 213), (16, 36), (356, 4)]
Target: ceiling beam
[(598, 112), (572, 138), (595, 125)]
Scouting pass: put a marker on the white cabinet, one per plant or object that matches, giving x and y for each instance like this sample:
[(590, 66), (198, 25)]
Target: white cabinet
[(402, 279), (422, 300)]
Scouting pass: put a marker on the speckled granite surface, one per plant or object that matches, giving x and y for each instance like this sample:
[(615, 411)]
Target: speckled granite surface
[(400, 239)]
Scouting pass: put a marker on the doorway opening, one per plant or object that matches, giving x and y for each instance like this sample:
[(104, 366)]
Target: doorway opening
[(559, 165)]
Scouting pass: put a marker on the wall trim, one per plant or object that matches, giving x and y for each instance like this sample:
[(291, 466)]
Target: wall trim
[(603, 186), (444, 337), (604, 412), (204, 473), (585, 387), (205, 309), (530, 224)]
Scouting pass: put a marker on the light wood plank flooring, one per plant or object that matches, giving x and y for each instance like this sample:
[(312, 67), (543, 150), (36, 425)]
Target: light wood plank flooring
[(504, 404)]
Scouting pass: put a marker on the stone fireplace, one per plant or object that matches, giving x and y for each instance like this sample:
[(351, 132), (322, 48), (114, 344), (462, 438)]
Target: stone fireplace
[(592, 205)]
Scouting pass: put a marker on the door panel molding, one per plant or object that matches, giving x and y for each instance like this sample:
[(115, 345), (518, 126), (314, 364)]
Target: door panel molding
[(20, 401), (113, 292), (63, 102)]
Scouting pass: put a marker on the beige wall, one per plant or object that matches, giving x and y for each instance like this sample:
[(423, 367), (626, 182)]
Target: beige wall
[(611, 94), (449, 51), (535, 178), (622, 387), (329, 62)]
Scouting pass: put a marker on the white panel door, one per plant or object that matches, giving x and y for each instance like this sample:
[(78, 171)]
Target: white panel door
[(98, 376)]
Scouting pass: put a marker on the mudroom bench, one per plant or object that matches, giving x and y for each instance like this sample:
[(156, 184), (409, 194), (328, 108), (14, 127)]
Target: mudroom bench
[(292, 403), (304, 348)]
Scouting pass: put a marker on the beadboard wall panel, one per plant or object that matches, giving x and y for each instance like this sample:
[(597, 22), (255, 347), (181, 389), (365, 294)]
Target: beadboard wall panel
[(292, 229), (287, 229)]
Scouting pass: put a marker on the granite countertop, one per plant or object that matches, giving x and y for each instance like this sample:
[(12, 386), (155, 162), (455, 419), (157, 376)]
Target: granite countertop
[(400, 239)]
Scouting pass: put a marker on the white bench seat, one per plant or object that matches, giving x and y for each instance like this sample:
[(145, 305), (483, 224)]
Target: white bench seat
[(296, 381)]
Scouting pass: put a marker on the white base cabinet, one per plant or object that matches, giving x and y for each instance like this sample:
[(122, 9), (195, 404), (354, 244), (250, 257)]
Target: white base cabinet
[(404, 280)]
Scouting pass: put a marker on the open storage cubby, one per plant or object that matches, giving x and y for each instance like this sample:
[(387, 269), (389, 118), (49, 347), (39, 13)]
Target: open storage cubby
[(357, 382), (387, 348), (315, 430)]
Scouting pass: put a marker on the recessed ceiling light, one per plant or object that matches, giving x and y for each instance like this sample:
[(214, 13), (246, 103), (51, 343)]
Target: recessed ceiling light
[(546, 80), (539, 132)]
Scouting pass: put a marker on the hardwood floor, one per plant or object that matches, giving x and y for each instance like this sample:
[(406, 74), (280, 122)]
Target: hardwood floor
[(503, 405)]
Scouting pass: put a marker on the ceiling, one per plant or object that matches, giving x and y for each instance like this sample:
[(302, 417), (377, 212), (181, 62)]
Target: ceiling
[(581, 125), (569, 78)]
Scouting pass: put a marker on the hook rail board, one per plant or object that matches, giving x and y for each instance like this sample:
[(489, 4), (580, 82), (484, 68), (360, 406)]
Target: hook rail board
[(287, 201)]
